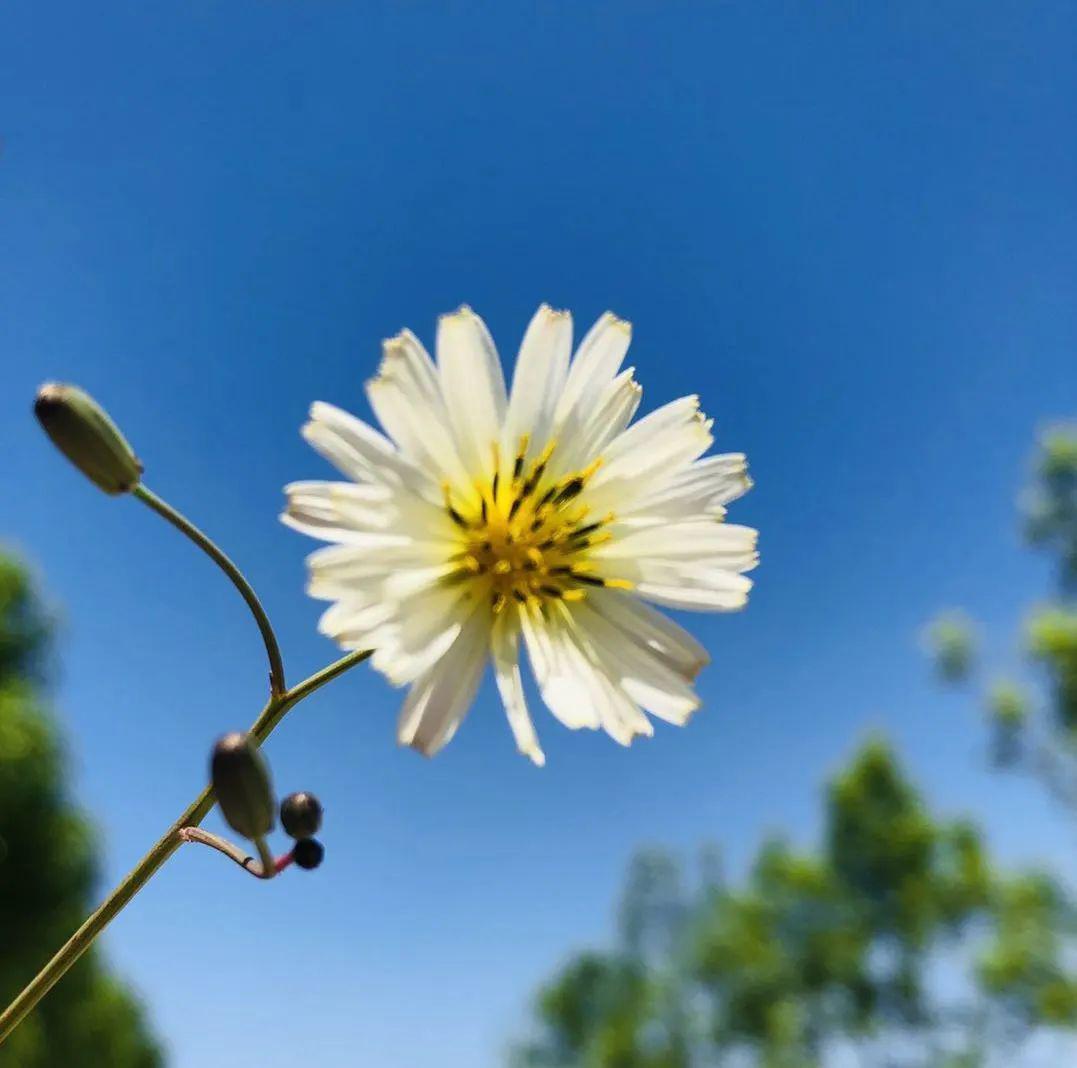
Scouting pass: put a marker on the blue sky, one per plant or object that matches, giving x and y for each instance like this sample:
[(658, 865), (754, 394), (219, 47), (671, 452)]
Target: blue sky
[(850, 228)]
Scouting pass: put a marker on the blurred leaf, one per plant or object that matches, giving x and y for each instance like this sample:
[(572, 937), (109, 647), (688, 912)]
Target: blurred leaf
[(1051, 505), (951, 644)]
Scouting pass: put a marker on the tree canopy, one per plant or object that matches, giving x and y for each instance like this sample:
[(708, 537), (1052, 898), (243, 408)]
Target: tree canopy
[(48, 868)]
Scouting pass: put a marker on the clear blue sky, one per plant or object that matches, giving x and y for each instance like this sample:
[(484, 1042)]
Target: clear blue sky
[(850, 227)]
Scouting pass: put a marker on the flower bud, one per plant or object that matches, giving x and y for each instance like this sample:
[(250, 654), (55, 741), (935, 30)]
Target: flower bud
[(301, 815), (308, 853), (83, 432), (240, 778)]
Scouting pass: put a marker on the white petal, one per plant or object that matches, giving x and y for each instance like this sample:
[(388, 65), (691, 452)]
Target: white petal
[(649, 453), (334, 511), (652, 630), (703, 488), (598, 359), (700, 591), (409, 582), (438, 701), (369, 561), (505, 646), (538, 381), (364, 493), (408, 358), (406, 398), (562, 690), (400, 667), (361, 453), (619, 715), (641, 674), (473, 386), (718, 544), (597, 428), (353, 624)]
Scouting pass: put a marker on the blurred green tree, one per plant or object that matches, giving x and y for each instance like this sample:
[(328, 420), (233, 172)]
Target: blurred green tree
[(844, 950), (47, 867)]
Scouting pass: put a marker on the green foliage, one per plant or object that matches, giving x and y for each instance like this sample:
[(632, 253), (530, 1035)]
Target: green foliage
[(951, 645), (1051, 511), (784, 959), (47, 869), (1025, 963), (1008, 704), (820, 948), (606, 1012), (1037, 736), (1052, 640)]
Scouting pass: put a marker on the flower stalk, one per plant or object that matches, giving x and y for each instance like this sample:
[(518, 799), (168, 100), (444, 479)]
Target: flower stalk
[(84, 433), (264, 866), (235, 576), (276, 708)]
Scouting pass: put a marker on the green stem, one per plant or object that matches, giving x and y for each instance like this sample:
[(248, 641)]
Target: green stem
[(210, 548), (266, 859), (275, 710)]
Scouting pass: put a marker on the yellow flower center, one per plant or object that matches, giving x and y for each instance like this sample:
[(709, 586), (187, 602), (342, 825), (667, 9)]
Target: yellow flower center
[(529, 539)]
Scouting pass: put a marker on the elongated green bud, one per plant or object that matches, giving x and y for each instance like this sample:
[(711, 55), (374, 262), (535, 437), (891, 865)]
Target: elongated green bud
[(81, 429), (240, 777)]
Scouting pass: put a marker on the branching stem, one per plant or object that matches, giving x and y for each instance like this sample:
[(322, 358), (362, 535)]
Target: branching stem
[(275, 710)]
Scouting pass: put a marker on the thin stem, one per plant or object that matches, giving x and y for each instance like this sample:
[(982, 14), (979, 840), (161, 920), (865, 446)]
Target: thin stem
[(265, 868), (215, 553), (271, 716), (266, 858), (275, 710)]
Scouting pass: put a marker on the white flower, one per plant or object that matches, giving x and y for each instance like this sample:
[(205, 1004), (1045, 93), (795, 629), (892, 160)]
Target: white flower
[(487, 520)]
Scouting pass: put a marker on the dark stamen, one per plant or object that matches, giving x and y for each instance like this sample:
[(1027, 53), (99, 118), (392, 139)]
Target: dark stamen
[(582, 532), (533, 481), (591, 580), (569, 490)]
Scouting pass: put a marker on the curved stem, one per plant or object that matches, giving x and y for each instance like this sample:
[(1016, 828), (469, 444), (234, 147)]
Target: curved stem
[(267, 860), (264, 868), (275, 710), (210, 548)]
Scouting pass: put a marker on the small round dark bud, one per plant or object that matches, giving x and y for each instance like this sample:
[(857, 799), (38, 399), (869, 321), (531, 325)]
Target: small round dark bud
[(240, 778), (301, 815), (308, 853), (81, 429)]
